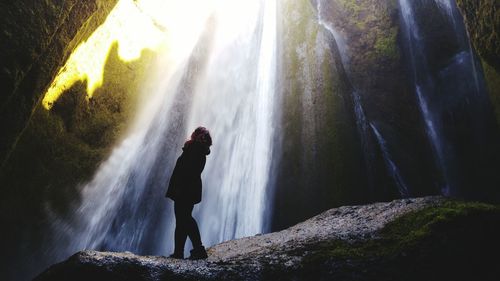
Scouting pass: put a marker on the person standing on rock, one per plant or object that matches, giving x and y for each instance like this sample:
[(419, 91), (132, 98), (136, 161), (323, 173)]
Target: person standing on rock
[(185, 190)]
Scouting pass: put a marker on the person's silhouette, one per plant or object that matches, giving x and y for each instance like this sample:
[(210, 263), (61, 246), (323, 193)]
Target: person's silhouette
[(185, 190)]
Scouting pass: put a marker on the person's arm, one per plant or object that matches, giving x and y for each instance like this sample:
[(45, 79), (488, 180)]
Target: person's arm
[(200, 164), (173, 184)]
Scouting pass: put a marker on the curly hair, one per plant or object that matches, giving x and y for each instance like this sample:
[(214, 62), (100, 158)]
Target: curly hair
[(201, 135)]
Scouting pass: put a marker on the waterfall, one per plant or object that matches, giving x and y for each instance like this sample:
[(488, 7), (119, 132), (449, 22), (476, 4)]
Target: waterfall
[(391, 166), (362, 123), (423, 87), (235, 100), (222, 75), (452, 98), (224, 82)]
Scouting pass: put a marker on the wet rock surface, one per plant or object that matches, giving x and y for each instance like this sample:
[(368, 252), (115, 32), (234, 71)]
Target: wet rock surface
[(311, 249), (317, 128), (482, 20)]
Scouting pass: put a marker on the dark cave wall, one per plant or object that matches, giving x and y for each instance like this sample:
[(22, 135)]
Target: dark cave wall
[(319, 157), (324, 161), (45, 154), (373, 36), (36, 39), (482, 19)]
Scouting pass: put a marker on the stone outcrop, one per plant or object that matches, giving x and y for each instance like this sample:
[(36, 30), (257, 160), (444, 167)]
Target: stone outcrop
[(373, 41), (429, 238), (322, 140), (482, 19), (44, 154), (37, 37), (318, 142)]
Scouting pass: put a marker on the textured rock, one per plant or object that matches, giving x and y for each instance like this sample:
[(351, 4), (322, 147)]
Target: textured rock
[(322, 144), (348, 243), (45, 154), (482, 19), (318, 145), (36, 39), (373, 41)]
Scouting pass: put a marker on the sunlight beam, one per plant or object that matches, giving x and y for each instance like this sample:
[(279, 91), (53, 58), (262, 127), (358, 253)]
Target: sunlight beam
[(171, 26)]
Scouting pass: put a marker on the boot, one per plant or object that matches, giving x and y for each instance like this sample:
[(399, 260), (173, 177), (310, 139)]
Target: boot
[(176, 255), (198, 253)]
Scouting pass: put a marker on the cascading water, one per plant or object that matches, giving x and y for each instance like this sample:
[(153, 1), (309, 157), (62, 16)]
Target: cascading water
[(462, 35), (452, 99), (362, 122), (236, 103), (224, 82), (391, 166), (223, 76), (423, 84)]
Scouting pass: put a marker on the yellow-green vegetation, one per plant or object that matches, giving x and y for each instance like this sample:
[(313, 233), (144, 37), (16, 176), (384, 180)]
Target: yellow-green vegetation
[(319, 138), (453, 228), (482, 19), (63, 146), (493, 83), (387, 45), (125, 26), (351, 6), (372, 29)]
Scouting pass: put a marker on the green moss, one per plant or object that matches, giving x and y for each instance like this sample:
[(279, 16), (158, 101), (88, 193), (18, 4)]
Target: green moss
[(482, 19), (387, 45), (372, 32), (422, 232), (319, 144), (493, 82), (62, 147), (351, 6)]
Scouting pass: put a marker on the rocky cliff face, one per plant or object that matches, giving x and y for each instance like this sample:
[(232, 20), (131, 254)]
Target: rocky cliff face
[(332, 86), (44, 154), (482, 19), (372, 35), (37, 37), (317, 139), (321, 157), (413, 239)]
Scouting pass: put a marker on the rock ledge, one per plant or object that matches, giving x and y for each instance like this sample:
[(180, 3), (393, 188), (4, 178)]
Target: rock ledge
[(430, 237)]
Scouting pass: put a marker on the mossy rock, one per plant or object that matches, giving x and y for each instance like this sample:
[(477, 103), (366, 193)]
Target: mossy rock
[(482, 18), (492, 77), (453, 241), (319, 143)]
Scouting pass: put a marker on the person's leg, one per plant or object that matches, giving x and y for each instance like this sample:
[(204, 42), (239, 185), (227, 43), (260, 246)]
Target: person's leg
[(182, 216), (194, 232)]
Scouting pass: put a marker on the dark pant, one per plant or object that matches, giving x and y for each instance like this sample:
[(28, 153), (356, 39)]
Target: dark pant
[(185, 226)]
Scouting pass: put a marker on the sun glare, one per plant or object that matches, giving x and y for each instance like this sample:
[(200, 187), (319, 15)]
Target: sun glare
[(170, 26)]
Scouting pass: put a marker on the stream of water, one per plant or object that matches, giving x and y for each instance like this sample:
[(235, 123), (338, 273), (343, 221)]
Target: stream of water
[(225, 82), (362, 123), (443, 94)]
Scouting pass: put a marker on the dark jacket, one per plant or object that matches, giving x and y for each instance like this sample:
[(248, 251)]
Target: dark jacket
[(185, 182)]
